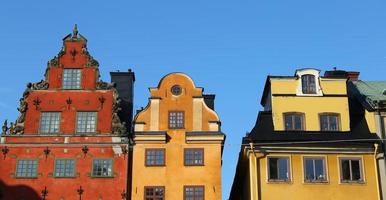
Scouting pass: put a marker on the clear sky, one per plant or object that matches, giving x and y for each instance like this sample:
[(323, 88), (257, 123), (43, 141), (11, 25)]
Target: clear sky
[(227, 47)]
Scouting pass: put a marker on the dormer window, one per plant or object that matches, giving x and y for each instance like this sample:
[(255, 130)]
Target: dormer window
[(308, 84), (71, 79)]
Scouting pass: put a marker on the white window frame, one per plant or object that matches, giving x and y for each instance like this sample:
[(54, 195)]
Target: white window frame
[(268, 180), (325, 158), (308, 71), (362, 169)]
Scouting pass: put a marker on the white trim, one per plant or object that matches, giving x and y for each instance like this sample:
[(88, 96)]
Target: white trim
[(316, 73), (362, 169), (325, 157)]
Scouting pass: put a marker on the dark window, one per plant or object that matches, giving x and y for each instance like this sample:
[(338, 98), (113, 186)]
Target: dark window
[(155, 157), (154, 193), (176, 90), (351, 170), (49, 122), (27, 168), (308, 84), (71, 78), (86, 122), (194, 193), (315, 170), (194, 156), (176, 120), (294, 121), (278, 169), (329, 122), (102, 168), (65, 168)]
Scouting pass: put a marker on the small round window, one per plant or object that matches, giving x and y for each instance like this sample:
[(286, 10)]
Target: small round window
[(176, 90)]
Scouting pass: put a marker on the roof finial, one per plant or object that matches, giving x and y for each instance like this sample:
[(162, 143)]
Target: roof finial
[(75, 31)]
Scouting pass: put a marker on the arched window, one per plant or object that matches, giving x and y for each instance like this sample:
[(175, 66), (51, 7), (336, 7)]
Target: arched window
[(308, 84)]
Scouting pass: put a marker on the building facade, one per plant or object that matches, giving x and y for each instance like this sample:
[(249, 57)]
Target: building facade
[(370, 98), (307, 143), (69, 142), (178, 144)]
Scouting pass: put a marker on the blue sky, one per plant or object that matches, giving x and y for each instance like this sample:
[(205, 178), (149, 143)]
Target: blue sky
[(227, 47)]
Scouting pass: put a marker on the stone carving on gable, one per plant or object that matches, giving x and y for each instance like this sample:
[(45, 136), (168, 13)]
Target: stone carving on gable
[(118, 127), (41, 85), (101, 85)]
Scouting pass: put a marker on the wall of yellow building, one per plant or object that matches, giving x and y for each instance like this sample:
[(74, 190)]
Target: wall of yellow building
[(311, 106), (198, 117), (333, 190), (370, 118)]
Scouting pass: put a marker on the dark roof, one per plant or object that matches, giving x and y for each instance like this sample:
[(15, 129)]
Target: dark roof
[(264, 132)]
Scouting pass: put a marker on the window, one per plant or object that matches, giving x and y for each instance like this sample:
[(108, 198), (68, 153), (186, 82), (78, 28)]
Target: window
[(49, 122), (315, 170), (308, 84), (102, 168), (86, 122), (194, 193), (64, 168), (26, 168), (154, 193), (329, 122), (176, 120), (293, 121), (155, 157), (278, 169), (176, 90), (351, 170), (194, 157), (71, 79)]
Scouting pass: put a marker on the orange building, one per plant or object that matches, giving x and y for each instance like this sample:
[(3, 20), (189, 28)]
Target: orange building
[(69, 141), (178, 144)]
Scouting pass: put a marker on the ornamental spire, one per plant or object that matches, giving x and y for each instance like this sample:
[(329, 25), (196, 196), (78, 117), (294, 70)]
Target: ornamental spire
[(75, 31)]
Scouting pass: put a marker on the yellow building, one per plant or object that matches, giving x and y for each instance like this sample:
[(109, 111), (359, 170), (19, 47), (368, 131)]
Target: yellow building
[(178, 144), (306, 144), (371, 95)]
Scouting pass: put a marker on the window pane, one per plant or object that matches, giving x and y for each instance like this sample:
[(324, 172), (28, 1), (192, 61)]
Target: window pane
[(194, 156), (273, 173), (102, 167), (26, 168), (309, 173), (86, 122), (356, 170), (293, 121), (155, 157), (308, 84), (49, 122), (176, 120), (298, 122), (319, 169), (154, 193), (283, 169), (345, 164), (71, 78), (288, 122)]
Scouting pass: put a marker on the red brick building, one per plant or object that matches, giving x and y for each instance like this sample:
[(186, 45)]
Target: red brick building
[(71, 138)]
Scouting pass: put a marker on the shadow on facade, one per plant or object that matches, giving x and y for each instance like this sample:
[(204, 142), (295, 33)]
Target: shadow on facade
[(17, 192)]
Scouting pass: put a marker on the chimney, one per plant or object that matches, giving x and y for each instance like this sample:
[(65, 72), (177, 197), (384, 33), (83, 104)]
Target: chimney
[(209, 100), (350, 75), (125, 86), (353, 76)]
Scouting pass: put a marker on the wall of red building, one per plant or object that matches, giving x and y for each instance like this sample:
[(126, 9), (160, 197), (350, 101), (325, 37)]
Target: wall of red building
[(94, 188)]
